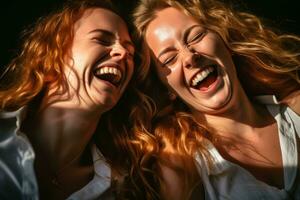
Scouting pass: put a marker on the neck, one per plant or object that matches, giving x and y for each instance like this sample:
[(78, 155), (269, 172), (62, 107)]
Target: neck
[(240, 118), (61, 131)]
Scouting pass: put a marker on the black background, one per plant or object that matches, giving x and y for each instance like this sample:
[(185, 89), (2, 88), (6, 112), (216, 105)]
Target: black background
[(17, 15)]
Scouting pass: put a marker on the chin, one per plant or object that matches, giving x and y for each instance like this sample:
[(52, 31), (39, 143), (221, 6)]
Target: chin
[(107, 104), (220, 105)]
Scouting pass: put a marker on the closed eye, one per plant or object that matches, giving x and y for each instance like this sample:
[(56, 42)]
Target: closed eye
[(102, 36), (170, 60), (101, 41), (196, 38), (130, 53), (130, 50)]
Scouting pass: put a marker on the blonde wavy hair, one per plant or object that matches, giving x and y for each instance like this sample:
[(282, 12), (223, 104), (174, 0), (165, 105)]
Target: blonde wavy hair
[(40, 65), (267, 63)]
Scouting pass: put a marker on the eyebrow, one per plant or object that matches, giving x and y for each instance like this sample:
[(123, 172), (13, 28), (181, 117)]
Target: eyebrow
[(165, 51), (102, 31), (110, 34)]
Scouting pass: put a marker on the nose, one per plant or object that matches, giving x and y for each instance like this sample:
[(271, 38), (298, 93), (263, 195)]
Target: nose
[(118, 51), (190, 58)]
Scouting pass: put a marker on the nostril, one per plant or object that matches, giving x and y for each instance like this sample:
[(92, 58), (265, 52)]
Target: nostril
[(192, 59), (188, 65)]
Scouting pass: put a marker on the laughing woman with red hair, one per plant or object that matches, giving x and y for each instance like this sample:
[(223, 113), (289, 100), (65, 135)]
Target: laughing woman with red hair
[(70, 91)]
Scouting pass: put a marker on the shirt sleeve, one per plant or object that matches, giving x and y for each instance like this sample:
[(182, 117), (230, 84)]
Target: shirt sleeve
[(17, 177)]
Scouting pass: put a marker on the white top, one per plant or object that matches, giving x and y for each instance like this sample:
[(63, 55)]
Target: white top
[(227, 180), (17, 178), (98, 187)]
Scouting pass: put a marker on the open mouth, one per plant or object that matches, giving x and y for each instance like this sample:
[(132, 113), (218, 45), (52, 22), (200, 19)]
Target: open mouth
[(110, 74), (204, 78)]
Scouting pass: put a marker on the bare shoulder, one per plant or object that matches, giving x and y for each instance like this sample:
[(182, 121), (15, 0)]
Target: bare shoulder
[(179, 177)]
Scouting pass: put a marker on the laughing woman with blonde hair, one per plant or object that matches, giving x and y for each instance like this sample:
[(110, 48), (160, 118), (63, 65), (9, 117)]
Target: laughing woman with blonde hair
[(226, 87)]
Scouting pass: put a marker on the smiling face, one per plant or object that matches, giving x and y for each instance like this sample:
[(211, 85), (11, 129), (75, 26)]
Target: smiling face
[(102, 59), (192, 61)]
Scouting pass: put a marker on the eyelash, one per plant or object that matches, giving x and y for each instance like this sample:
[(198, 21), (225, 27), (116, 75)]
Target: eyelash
[(169, 60), (197, 37), (131, 55), (102, 42)]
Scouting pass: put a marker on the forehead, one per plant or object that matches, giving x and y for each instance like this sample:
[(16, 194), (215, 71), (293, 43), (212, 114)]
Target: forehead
[(100, 18), (169, 21), (168, 27)]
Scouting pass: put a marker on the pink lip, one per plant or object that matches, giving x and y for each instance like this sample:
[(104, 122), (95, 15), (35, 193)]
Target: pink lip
[(108, 83)]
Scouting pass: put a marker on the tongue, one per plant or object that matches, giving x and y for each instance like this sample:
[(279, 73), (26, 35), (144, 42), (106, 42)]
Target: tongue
[(210, 79), (109, 77)]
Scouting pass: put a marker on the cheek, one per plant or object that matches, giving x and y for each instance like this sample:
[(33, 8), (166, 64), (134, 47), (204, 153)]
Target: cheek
[(130, 73), (216, 48), (72, 77), (85, 52), (212, 46), (79, 57), (222, 52), (131, 65), (219, 48), (173, 78)]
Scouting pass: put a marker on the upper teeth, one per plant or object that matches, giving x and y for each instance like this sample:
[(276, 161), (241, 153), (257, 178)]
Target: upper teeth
[(202, 75), (109, 70)]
